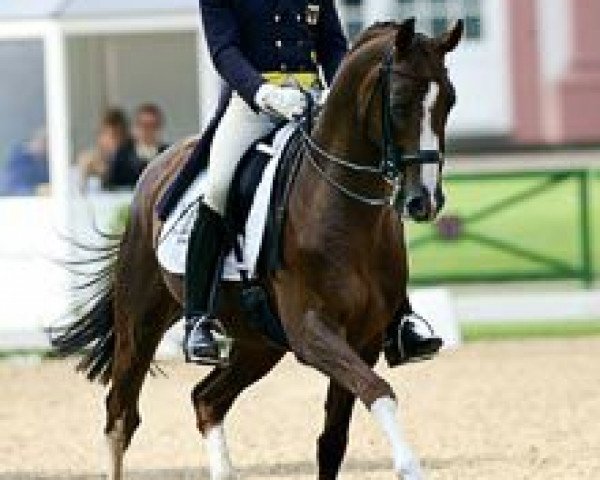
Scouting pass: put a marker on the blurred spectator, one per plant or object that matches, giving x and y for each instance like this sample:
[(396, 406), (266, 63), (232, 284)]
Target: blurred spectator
[(94, 164), (148, 131), (119, 158), (26, 171), (133, 155)]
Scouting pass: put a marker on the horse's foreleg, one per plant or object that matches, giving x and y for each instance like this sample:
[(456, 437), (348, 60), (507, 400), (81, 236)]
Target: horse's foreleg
[(332, 443), (214, 396), (315, 344)]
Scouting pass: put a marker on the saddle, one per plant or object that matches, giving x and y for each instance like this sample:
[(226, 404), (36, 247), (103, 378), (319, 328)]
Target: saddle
[(255, 209), (255, 217)]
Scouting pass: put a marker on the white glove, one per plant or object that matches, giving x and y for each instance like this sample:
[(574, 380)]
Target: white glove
[(287, 102), (322, 97)]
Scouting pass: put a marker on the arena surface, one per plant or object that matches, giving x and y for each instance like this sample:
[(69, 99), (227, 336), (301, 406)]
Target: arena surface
[(505, 411)]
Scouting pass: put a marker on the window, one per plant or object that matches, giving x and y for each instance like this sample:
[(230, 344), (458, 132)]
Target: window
[(354, 28), (352, 14), (24, 168), (436, 16)]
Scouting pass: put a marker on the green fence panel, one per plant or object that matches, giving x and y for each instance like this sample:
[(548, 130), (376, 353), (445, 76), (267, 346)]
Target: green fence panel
[(510, 226)]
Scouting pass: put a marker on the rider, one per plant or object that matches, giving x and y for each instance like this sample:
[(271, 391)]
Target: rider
[(260, 48)]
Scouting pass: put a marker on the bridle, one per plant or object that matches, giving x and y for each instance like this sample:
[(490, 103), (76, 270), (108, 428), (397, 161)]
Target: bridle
[(394, 159)]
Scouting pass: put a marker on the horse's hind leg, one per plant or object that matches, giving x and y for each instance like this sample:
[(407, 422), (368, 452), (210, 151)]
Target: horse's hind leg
[(214, 396), (331, 446), (136, 340)]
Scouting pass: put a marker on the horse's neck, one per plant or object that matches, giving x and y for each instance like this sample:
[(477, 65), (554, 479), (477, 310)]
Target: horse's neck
[(320, 204), (340, 133)]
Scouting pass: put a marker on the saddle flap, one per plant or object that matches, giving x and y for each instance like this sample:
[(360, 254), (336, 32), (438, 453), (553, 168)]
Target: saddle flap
[(174, 237)]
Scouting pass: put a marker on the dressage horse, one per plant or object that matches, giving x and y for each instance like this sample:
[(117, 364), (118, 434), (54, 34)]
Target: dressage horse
[(344, 272)]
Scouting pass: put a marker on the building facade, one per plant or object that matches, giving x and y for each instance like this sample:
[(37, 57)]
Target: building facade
[(528, 71)]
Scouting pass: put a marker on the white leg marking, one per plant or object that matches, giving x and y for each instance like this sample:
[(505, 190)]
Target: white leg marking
[(221, 467), (406, 464), (116, 450)]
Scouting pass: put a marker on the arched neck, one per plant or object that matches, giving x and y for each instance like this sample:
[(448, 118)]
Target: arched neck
[(341, 132)]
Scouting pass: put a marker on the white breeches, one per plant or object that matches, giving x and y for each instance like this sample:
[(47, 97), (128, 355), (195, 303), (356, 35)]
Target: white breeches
[(238, 130)]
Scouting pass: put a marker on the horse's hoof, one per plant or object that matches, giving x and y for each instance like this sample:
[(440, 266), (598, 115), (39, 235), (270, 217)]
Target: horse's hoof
[(232, 475), (411, 471), (411, 476)]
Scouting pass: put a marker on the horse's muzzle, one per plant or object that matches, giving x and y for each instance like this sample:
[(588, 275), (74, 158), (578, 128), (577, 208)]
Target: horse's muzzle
[(421, 208)]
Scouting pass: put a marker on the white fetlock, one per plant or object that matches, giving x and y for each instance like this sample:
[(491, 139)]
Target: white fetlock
[(233, 475), (116, 450), (406, 464), (411, 470), (221, 467)]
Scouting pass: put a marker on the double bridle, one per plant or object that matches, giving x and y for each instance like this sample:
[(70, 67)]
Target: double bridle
[(393, 160)]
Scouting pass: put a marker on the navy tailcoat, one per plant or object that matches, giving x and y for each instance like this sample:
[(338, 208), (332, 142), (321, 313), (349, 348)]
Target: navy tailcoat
[(249, 37)]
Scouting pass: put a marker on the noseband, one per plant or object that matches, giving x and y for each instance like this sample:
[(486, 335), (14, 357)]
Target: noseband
[(394, 159)]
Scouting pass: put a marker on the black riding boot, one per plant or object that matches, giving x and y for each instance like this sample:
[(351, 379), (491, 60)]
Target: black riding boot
[(407, 341), (204, 250)]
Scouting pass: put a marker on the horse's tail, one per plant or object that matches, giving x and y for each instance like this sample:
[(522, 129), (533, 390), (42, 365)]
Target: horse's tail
[(91, 333)]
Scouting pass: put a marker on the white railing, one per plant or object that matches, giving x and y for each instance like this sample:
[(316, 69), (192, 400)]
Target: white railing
[(33, 288)]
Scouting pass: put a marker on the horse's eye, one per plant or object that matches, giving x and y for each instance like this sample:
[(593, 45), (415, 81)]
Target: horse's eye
[(405, 103), (422, 90), (402, 101)]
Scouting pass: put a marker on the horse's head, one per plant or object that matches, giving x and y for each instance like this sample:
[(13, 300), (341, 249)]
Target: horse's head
[(404, 103)]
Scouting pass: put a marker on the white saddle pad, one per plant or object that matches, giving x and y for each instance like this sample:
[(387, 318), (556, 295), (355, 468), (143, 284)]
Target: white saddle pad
[(175, 234)]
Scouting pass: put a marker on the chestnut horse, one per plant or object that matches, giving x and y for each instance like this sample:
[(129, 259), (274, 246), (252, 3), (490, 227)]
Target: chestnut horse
[(345, 269)]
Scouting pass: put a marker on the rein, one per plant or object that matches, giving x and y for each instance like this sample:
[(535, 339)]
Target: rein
[(393, 158)]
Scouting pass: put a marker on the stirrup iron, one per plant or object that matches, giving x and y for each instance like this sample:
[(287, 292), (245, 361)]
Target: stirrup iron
[(223, 341)]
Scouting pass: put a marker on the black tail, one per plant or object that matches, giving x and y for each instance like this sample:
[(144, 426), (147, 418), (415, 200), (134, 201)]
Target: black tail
[(92, 332)]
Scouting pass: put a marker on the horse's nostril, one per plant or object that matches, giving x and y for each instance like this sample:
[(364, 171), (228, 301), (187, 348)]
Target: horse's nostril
[(418, 208)]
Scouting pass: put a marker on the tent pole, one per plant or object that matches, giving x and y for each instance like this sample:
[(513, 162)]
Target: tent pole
[(59, 141), (57, 111)]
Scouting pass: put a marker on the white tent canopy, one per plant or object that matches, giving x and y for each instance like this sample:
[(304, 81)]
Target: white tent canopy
[(30, 9)]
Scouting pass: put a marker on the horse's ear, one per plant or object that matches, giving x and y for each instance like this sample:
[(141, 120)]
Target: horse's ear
[(450, 40), (406, 34)]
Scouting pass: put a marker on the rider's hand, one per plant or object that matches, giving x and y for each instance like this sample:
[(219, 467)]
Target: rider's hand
[(287, 102)]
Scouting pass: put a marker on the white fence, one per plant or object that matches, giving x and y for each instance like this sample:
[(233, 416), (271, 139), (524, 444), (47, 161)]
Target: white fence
[(33, 286)]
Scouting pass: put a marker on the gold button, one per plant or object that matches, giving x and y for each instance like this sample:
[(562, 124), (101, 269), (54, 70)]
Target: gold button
[(278, 43), (277, 18), (283, 67), (299, 17)]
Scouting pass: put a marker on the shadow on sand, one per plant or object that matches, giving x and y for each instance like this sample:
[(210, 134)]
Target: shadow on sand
[(290, 469)]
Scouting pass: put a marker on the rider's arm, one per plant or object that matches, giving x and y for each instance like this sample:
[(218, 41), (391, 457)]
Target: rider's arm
[(223, 38), (332, 44)]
